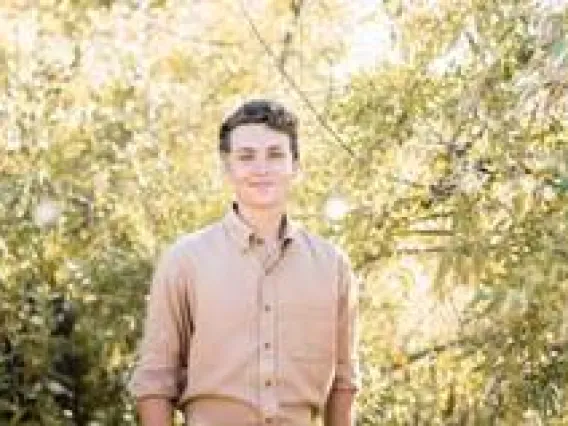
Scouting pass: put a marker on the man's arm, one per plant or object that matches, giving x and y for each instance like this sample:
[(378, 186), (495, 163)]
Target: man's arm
[(159, 374), (339, 409), (154, 411)]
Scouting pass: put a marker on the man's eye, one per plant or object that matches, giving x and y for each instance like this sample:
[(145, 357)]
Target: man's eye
[(276, 154), (245, 157)]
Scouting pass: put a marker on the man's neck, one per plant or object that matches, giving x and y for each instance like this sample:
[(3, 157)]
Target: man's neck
[(265, 223)]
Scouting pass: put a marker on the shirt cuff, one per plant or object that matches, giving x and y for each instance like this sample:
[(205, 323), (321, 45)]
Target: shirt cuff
[(162, 383), (348, 379)]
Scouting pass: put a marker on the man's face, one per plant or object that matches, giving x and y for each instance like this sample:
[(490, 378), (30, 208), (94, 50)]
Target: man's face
[(260, 166)]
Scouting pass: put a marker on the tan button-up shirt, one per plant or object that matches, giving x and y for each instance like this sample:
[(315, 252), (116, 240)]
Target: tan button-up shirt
[(241, 334)]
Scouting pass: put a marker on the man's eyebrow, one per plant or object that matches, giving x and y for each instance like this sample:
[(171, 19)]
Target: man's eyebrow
[(249, 149)]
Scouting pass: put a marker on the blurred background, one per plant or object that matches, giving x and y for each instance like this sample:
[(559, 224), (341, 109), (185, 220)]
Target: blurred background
[(434, 148)]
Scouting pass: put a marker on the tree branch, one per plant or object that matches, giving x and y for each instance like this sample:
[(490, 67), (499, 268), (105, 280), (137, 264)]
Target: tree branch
[(293, 84)]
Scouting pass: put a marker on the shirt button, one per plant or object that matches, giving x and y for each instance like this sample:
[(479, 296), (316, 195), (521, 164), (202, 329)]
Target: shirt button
[(267, 345), (268, 420), (268, 383), (267, 308)]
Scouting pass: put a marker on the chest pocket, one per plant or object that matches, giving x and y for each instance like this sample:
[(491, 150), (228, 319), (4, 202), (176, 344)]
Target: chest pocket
[(308, 312), (308, 332)]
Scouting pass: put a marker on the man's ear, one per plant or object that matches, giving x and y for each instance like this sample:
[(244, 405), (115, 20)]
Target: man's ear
[(224, 169), (224, 162), (297, 170)]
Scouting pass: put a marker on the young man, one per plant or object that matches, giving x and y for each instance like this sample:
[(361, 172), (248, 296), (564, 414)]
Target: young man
[(251, 320)]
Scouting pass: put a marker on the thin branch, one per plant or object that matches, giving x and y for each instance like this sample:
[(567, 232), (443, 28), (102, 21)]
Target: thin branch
[(425, 232), (425, 250), (293, 84), (297, 7)]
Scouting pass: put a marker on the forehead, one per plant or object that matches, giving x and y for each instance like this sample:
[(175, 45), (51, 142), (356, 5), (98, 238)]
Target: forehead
[(257, 136)]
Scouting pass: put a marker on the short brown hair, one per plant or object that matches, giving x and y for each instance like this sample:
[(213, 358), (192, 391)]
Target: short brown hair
[(261, 111)]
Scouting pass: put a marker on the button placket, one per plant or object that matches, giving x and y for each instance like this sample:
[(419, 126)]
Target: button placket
[(267, 367), (268, 381)]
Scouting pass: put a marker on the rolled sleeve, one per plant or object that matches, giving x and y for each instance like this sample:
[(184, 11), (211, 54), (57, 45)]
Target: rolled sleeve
[(160, 370), (347, 374)]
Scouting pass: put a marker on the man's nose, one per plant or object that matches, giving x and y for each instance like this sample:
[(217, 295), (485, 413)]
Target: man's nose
[(261, 166)]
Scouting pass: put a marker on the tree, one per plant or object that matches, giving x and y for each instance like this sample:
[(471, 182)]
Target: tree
[(459, 164), (109, 129)]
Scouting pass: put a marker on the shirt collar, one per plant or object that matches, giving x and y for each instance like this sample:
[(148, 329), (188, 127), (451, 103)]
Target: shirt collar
[(245, 235)]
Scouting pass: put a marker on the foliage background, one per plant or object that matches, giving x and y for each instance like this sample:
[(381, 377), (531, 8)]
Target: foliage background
[(434, 149)]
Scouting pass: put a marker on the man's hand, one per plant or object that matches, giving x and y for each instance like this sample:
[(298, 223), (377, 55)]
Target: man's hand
[(154, 411)]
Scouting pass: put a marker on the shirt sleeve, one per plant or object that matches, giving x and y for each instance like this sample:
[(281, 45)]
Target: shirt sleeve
[(160, 370), (347, 374)]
